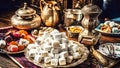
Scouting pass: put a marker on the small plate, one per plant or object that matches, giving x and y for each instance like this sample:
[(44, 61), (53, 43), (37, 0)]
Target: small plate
[(105, 33), (7, 52), (111, 50)]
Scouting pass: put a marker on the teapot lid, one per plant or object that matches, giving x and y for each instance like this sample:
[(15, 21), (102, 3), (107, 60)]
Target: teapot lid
[(25, 11), (90, 8)]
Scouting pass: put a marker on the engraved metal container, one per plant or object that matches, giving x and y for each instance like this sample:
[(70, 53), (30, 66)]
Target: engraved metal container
[(25, 18), (72, 16), (90, 22), (50, 13), (90, 19)]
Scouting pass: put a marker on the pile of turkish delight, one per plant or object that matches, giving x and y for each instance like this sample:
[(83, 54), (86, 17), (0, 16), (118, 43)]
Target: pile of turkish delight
[(55, 49)]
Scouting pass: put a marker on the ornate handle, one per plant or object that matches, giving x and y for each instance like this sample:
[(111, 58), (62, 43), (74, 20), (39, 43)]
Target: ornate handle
[(41, 6)]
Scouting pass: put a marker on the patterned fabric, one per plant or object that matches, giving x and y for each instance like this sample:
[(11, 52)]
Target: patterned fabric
[(20, 58)]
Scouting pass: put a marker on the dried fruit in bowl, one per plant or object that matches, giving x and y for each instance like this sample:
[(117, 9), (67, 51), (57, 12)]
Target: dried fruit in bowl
[(21, 47), (75, 29), (23, 32), (13, 43), (29, 38), (12, 48), (16, 34), (23, 42), (106, 28)]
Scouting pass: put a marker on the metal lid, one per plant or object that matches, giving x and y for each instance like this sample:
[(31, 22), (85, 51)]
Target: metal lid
[(90, 8), (25, 11)]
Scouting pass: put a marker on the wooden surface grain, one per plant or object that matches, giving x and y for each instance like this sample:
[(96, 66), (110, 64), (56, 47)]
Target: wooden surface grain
[(6, 62)]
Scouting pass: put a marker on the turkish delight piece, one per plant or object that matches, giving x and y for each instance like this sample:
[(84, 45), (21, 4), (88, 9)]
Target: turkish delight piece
[(57, 56), (107, 22), (64, 54), (76, 55), (69, 59), (75, 48), (45, 35), (54, 32), (23, 42), (54, 62), (32, 52), (55, 50), (112, 24), (47, 47), (64, 47), (55, 44), (57, 36), (63, 34), (38, 58), (48, 40), (70, 46), (51, 55), (39, 40), (31, 46), (47, 59), (64, 40), (115, 30), (62, 61), (44, 53)]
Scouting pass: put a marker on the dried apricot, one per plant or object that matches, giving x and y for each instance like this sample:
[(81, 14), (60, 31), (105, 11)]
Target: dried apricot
[(23, 32), (29, 39), (13, 43), (21, 47)]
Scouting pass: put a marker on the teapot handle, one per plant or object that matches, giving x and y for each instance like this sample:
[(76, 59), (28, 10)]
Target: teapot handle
[(41, 4)]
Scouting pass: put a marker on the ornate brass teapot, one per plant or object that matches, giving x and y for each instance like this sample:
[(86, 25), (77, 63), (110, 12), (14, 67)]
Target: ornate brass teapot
[(25, 18), (49, 13)]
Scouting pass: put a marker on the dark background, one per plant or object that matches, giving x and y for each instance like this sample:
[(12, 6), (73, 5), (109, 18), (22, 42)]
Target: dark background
[(111, 8)]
